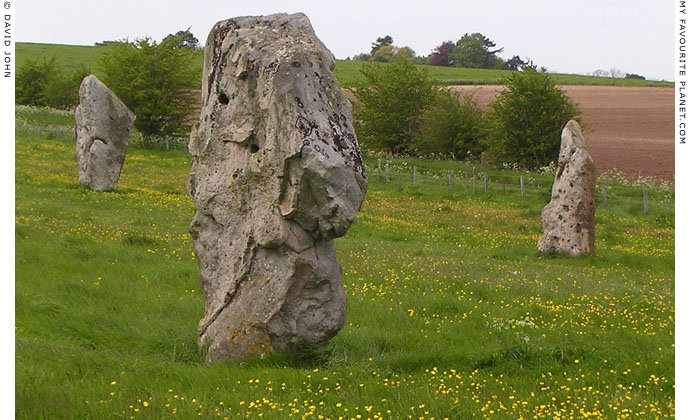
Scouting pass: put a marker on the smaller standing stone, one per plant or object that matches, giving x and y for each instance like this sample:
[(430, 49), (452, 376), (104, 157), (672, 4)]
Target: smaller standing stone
[(102, 130), (568, 220)]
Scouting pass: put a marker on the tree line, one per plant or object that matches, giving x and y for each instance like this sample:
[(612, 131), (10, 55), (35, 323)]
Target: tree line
[(156, 80), (470, 51), (399, 110)]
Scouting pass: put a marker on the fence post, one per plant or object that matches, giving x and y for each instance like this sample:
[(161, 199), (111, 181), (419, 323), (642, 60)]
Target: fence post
[(40, 130), (167, 143), (57, 132), (486, 183), (474, 180), (603, 194), (378, 167), (26, 126), (388, 180), (450, 179), (644, 198), (522, 187), (414, 175)]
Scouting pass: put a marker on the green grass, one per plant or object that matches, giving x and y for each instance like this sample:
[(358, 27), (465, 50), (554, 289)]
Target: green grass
[(71, 57), (347, 71), (46, 116), (451, 312), (624, 193), (68, 57)]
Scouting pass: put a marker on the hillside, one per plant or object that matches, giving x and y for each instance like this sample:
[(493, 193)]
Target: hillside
[(71, 57)]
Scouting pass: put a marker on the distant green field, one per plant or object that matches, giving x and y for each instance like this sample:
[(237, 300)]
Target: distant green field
[(347, 71), (71, 57)]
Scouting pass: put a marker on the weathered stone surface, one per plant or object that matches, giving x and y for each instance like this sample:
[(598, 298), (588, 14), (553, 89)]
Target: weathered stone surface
[(276, 176), (568, 220), (102, 130)]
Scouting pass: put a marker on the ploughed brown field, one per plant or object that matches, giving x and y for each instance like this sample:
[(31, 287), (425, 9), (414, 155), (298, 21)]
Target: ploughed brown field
[(627, 128)]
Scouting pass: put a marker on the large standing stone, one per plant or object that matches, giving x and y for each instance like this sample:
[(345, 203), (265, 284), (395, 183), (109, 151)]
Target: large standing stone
[(276, 176), (103, 126), (568, 219)]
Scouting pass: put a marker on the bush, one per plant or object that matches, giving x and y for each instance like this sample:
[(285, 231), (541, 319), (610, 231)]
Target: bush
[(44, 84), (62, 91), (526, 120), (391, 101), (452, 125), (31, 80), (156, 81)]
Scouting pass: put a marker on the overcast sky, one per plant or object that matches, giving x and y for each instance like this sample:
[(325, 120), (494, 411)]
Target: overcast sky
[(569, 36)]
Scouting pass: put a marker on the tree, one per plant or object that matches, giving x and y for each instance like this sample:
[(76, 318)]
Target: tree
[(452, 125), (616, 73), (440, 56), (391, 99), (515, 63), (526, 119), (391, 53), (155, 81), (45, 84), (600, 73), (473, 51), (62, 90), (381, 42), (405, 54), (384, 54), (31, 80), (634, 76), (185, 39)]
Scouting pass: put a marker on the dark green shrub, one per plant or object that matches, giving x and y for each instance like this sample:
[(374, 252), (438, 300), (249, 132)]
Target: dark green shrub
[(31, 80), (391, 101), (452, 125), (62, 90), (156, 81), (526, 120), (45, 84)]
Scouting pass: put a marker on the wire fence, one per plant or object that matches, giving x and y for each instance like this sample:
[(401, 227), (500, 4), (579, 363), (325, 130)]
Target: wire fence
[(66, 132), (520, 186), (53, 131)]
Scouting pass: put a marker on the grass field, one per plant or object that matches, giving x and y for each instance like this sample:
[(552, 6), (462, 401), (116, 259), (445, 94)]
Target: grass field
[(451, 312), (347, 71), (70, 57)]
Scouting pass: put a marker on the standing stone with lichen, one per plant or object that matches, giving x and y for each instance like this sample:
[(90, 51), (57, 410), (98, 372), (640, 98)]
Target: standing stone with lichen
[(102, 128), (568, 219), (276, 176)]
